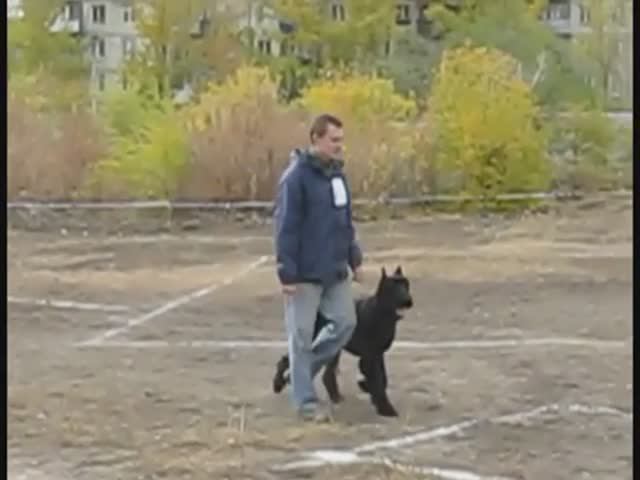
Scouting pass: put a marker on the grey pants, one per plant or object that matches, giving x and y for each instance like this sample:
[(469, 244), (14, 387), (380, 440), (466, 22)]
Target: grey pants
[(306, 356)]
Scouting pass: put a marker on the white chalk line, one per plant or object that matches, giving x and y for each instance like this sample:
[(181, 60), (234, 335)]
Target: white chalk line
[(155, 239), (599, 410), (178, 302), (580, 250), (68, 304), (330, 457), (398, 345), (408, 254), (447, 431), (366, 454)]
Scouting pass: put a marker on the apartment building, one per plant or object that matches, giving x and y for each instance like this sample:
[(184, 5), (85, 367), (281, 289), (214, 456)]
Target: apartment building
[(110, 30), (269, 32)]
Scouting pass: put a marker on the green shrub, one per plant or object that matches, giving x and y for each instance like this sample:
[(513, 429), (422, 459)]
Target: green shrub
[(148, 147), (589, 150)]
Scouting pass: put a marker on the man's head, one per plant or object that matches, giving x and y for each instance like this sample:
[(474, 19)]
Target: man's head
[(327, 136)]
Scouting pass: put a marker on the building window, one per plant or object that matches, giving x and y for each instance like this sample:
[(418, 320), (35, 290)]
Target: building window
[(585, 15), (73, 11), (99, 14), (264, 46), (558, 11), (125, 81), (99, 47), (403, 14), (129, 15), (613, 85), (127, 47), (102, 81), (338, 12), (618, 15)]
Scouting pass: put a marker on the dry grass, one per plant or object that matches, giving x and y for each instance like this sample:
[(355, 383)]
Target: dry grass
[(49, 156), (109, 429), (243, 157)]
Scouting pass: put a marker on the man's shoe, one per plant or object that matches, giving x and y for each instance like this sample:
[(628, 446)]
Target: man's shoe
[(314, 413)]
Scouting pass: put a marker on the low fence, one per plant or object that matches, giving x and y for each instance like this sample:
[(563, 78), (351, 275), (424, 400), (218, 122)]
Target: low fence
[(265, 205)]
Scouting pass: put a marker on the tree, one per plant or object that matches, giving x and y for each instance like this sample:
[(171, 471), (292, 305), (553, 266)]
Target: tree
[(605, 19), (412, 62), (41, 62), (486, 123), (187, 42), (338, 33), (557, 75)]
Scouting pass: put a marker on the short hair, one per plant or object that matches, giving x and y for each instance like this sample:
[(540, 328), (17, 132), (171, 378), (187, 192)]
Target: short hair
[(321, 123)]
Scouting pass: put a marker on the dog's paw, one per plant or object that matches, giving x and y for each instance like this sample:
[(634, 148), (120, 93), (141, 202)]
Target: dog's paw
[(386, 410), (279, 382), (363, 386)]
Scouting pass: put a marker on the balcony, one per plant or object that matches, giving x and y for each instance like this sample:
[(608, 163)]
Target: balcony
[(69, 20), (68, 25)]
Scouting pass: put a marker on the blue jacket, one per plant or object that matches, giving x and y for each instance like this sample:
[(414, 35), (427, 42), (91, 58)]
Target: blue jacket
[(314, 233)]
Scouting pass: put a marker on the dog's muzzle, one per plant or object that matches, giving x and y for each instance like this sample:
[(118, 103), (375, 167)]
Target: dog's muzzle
[(407, 304)]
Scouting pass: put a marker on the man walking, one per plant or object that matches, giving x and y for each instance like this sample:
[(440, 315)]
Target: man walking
[(316, 251)]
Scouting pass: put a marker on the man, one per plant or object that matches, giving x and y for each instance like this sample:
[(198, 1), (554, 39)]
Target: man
[(317, 256)]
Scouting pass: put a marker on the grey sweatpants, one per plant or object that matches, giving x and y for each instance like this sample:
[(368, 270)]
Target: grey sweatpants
[(306, 356)]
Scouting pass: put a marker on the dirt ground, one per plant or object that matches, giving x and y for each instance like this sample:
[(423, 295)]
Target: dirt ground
[(520, 365)]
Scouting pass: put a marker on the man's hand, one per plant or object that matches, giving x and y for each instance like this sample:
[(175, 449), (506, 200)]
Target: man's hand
[(289, 289), (358, 275)]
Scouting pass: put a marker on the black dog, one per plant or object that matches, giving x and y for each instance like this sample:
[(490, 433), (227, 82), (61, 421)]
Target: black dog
[(375, 331)]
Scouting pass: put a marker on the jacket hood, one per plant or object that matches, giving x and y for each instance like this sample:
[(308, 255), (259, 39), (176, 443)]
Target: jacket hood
[(333, 167)]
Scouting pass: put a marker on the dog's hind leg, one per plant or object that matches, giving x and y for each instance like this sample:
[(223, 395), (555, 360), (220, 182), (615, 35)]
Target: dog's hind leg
[(330, 381), (362, 383), (281, 378)]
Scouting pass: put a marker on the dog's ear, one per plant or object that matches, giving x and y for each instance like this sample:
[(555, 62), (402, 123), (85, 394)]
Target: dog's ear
[(384, 272), (398, 271)]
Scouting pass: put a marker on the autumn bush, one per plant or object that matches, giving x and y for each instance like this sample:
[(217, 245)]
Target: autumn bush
[(381, 141), (486, 123), (241, 137)]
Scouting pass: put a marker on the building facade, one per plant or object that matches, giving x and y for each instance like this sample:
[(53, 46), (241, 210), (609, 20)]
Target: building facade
[(572, 19), (109, 28)]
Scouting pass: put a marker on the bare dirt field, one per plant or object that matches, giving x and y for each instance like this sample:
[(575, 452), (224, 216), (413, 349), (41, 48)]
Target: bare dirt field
[(144, 356)]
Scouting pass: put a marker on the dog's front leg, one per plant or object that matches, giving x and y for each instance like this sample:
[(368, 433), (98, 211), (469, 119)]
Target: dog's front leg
[(377, 383), (330, 381)]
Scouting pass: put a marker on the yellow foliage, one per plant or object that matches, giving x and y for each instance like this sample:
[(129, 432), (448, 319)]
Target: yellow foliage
[(248, 87), (148, 158), (486, 122), (358, 97), (376, 119)]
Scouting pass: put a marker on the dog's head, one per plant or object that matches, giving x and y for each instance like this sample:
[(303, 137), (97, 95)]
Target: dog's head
[(394, 291)]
